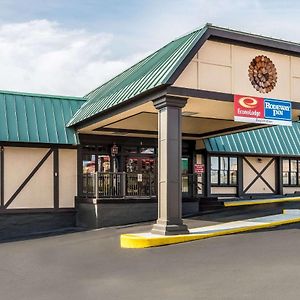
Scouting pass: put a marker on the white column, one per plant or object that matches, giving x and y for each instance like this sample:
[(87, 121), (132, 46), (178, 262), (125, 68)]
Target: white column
[(169, 220)]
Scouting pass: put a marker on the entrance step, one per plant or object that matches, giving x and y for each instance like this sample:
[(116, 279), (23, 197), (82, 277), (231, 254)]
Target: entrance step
[(210, 204), (147, 239)]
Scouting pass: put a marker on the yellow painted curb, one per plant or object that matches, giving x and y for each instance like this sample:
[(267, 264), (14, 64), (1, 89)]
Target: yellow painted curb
[(263, 201), (138, 241)]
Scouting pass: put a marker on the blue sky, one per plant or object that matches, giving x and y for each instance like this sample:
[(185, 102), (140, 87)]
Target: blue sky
[(71, 46)]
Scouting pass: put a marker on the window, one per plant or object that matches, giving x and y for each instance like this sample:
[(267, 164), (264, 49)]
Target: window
[(223, 170), (233, 170), (214, 170), (104, 163), (291, 172), (89, 164)]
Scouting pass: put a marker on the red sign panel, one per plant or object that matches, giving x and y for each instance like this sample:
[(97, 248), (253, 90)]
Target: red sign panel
[(248, 108), (199, 168)]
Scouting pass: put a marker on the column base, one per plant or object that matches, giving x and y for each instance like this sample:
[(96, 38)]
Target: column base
[(166, 229)]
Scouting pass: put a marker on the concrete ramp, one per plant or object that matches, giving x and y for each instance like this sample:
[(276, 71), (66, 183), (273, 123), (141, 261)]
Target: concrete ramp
[(147, 239), (236, 203)]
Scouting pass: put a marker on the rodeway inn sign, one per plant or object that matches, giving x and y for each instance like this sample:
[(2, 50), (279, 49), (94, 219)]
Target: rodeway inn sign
[(262, 110)]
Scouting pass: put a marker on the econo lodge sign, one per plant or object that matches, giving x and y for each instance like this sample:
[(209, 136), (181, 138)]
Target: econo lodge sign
[(262, 110)]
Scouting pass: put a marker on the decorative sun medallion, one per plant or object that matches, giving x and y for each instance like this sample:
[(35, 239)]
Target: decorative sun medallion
[(262, 74)]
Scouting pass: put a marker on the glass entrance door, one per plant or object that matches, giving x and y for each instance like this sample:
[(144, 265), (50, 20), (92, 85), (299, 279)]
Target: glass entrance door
[(192, 181), (185, 175), (199, 177)]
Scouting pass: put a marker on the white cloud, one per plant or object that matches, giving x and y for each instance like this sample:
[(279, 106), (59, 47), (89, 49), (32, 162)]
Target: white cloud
[(272, 18), (47, 57), (41, 56)]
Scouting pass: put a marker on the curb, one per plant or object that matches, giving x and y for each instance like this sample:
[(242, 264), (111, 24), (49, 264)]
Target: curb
[(139, 241)]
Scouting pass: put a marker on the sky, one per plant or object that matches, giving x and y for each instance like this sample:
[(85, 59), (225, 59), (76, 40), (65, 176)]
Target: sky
[(69, 47)]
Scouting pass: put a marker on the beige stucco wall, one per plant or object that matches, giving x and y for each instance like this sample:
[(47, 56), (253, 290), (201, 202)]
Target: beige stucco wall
[(18, 163), (224, 68), (38, 192), (291, 190), (248, 175), (200, 144), (223, 190), (67, 177)]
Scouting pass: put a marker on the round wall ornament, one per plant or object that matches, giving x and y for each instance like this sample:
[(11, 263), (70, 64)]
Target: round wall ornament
[(262, 74)]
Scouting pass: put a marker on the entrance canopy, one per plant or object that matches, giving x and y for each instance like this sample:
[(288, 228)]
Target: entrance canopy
[(197, 123), (187, 90), (207, 67)]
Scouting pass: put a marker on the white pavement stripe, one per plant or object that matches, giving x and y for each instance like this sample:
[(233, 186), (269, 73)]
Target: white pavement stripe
[(226, 226), (287, 215)]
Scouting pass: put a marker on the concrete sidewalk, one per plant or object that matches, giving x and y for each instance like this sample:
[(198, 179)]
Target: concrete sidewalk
[(147, 239), (261, 201)]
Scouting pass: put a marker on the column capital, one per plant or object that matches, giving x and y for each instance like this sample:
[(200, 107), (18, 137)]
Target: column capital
[(170, 101)]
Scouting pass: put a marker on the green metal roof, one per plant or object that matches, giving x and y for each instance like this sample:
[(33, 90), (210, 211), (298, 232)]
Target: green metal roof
[(36, 118), (159, 68), (151, 72), (280, 140)]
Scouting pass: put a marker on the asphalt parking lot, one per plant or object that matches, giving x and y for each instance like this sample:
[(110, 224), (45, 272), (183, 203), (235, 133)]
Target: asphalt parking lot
[(91, 265)]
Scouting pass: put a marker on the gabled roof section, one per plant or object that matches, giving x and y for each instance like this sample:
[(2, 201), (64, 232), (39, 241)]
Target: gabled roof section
[(276, 140), (163, 67), (153, 71), (35, 118)]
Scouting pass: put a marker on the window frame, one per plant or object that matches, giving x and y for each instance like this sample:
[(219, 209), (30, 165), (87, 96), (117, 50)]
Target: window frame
[(228, 171), (290, 172)]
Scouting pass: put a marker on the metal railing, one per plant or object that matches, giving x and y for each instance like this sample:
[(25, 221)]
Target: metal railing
[(118, 185), (140, 184), (122, 185)]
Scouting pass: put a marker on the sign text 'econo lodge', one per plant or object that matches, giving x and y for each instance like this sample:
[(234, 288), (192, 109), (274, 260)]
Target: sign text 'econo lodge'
[(262, 110)]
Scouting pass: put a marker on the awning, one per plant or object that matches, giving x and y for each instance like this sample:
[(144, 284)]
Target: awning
[(275, 140)]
